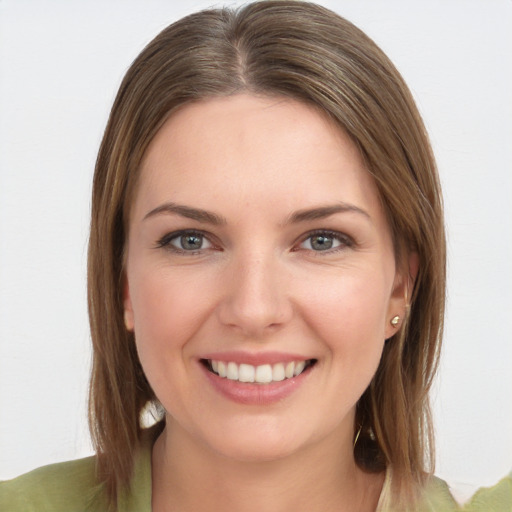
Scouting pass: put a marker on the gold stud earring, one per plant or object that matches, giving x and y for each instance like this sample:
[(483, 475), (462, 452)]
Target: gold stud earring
[(394, 321)]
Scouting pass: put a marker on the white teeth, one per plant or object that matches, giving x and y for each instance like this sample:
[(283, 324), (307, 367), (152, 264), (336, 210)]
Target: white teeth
[(278, 372), (232, 372), (288, 371), (246, 373), (262, 374), (299, 367)]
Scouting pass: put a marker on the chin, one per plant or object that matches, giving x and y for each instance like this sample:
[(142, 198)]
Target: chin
[(254, 452), (258, 440)]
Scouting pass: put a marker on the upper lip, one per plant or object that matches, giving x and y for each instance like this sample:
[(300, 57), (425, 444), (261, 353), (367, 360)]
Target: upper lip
[(254, 358)]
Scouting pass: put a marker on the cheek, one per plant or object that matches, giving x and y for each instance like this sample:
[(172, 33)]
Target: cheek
[(167, 306), (348, 314), (168, 310), (353, 303)]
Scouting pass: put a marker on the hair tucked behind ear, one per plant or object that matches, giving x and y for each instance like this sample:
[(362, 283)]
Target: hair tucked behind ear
[(306, 52)]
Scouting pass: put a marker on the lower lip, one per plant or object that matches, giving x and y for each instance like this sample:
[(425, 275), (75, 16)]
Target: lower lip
[(255, 394)]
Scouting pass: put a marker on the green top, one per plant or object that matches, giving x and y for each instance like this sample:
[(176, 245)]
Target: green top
[(72, 487), (493, 499)]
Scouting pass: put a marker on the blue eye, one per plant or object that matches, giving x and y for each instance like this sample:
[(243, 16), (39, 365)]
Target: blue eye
[(185, 241), (325, 241)]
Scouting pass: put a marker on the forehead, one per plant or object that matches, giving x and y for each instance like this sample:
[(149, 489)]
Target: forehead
[(252, 146)]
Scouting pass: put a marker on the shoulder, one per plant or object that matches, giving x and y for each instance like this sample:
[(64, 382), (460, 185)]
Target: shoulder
[(437, 497), (67, 487), (498, 498), (492, 499), (73, 486)]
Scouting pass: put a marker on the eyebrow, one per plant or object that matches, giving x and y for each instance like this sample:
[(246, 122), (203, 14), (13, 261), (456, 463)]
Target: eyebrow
[(323, 212), (188, 212), (208, 217)]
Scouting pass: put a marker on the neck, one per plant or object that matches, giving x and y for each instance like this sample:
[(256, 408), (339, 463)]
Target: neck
[(191, 477)]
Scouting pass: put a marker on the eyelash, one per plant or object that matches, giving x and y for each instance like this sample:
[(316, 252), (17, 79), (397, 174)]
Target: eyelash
[(344, 240), (165, 242)]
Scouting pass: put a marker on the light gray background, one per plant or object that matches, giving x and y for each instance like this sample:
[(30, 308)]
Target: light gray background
[(60, 65)]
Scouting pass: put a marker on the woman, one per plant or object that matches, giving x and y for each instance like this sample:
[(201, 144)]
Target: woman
[(266, 262)]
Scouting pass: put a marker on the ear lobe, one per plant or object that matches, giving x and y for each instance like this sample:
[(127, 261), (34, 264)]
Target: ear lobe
[(400, 297), (128, 309)]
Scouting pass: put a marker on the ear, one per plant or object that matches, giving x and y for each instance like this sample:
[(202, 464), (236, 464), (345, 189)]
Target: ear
[(128, 309), (401, 294)]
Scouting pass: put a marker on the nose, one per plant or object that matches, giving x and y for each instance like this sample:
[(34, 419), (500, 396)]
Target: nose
[(255, 300)]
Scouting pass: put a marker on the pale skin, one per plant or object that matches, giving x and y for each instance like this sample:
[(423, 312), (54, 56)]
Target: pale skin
[(287, 249)]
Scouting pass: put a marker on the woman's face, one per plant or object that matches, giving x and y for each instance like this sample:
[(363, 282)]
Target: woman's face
[(258, 249)]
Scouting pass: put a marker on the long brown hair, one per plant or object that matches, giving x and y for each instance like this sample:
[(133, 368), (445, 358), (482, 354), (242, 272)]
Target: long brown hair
[(306, 52)]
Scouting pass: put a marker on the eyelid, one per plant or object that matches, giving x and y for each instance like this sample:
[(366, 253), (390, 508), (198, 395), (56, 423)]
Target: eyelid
[(344, 239), (165, 241)]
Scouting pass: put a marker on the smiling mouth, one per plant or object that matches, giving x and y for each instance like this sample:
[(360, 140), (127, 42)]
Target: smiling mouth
[(262, 374)]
